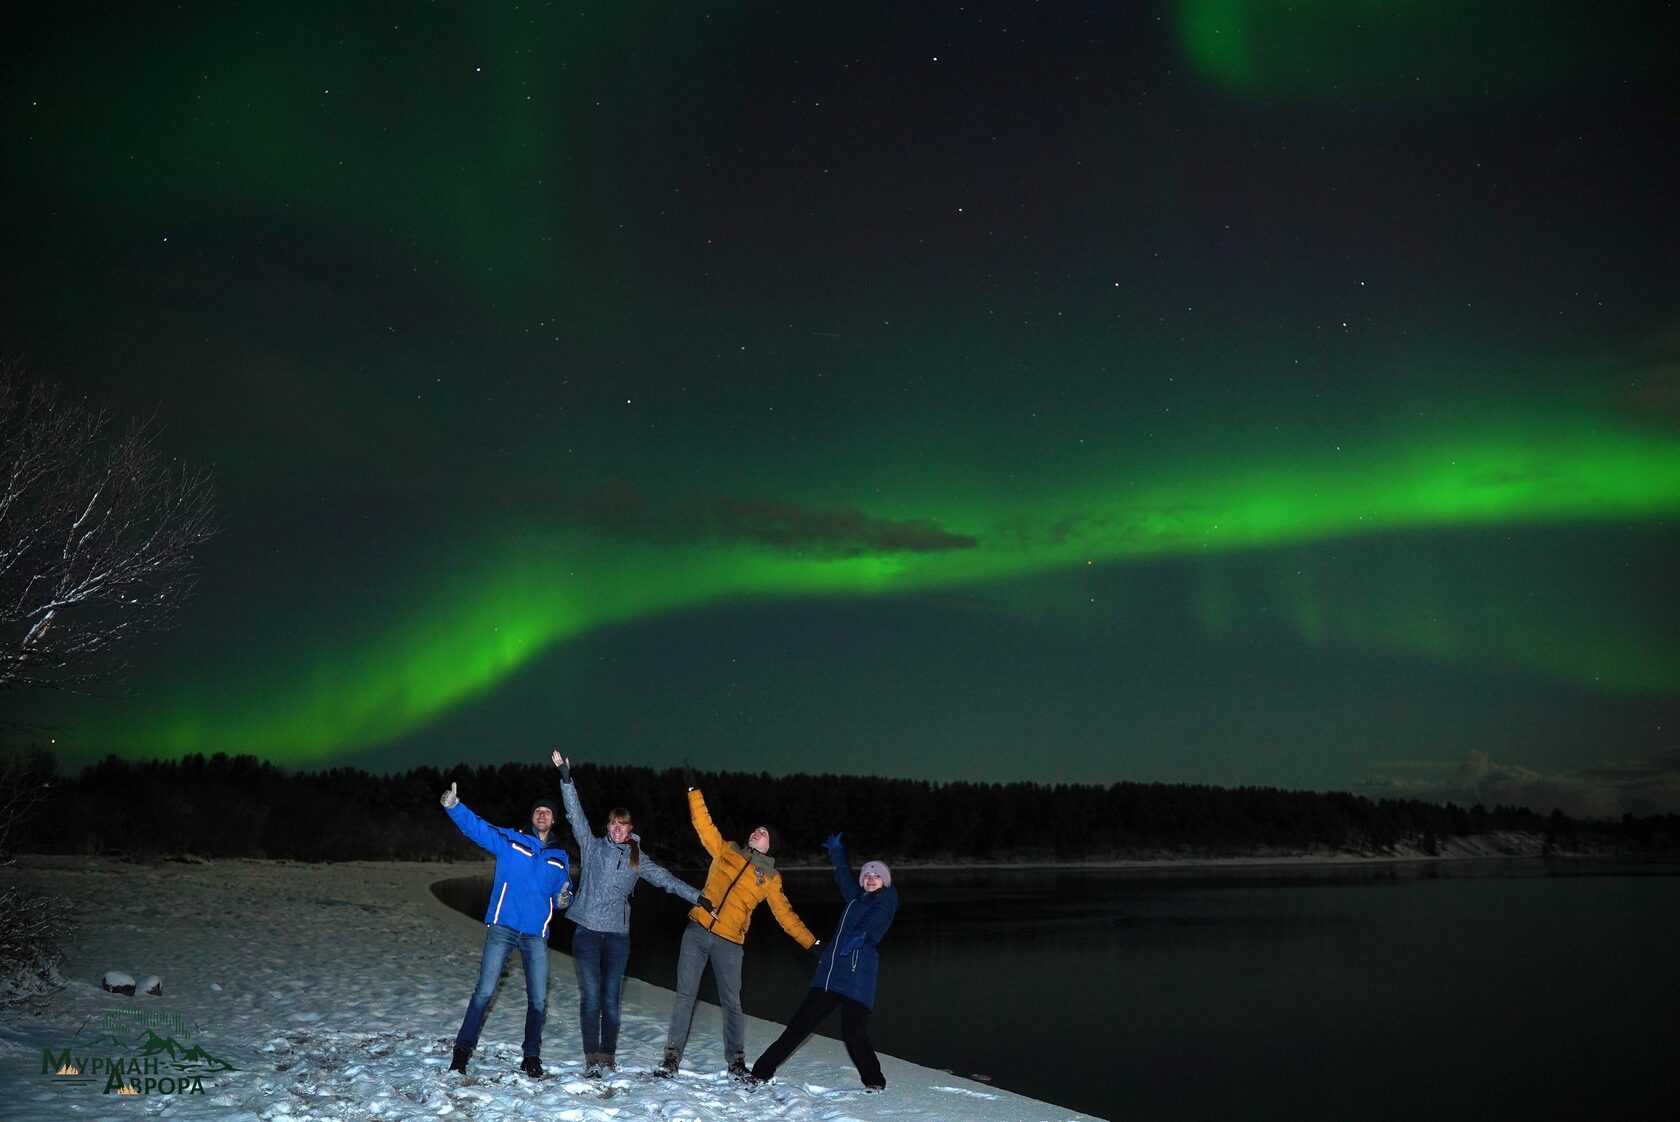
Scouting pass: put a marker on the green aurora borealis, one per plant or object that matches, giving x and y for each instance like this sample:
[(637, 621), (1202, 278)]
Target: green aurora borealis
[(1293, 391), (503, 609)]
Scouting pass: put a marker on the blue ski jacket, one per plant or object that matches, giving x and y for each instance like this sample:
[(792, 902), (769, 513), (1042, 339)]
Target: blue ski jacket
[(533, 880), (850, 962)]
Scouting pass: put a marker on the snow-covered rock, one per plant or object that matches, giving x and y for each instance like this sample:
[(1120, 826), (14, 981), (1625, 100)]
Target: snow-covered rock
[(115, 981)]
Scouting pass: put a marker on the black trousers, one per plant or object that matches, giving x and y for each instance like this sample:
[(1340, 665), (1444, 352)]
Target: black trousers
[(854, 1030)]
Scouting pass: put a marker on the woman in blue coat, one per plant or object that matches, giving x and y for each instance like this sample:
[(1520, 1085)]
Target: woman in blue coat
[(845, 977)]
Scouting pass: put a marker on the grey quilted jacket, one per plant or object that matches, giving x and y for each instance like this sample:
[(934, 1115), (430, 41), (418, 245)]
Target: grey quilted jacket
[(604, 876)]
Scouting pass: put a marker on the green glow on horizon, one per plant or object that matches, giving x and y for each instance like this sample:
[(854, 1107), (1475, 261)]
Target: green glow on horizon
[(501, 609), (1402, 50)]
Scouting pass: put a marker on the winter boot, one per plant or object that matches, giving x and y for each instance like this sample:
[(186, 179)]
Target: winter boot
[(738, 1069), (459, 1063), (531, 1066), (592, 1068), (668, 1066)]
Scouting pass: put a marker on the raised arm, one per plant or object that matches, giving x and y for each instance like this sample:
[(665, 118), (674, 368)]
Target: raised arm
[(843, 874), (575, 818), (702, 819), (477, 830)]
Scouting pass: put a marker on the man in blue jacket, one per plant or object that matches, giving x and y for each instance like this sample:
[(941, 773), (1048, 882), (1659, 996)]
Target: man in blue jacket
[(532, 881)]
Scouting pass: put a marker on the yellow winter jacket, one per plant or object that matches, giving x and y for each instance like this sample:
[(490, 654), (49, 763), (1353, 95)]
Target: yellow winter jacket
[(739, 880)]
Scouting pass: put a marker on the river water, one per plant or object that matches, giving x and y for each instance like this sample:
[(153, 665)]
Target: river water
[(1442, 990)]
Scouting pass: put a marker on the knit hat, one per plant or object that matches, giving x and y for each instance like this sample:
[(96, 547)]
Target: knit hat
[(553, 807), (879, 868)]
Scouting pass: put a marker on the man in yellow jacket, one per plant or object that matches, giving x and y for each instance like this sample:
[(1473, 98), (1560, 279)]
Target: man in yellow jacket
[(741, 878)]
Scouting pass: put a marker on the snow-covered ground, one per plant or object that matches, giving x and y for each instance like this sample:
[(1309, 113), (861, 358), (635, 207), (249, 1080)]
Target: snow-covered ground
[(334, 992)]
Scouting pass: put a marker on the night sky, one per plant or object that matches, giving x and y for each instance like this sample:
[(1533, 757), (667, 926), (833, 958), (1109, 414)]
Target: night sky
[(1211, 391)]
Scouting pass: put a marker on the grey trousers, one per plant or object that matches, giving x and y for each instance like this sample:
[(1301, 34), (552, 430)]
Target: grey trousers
[(700, 947)]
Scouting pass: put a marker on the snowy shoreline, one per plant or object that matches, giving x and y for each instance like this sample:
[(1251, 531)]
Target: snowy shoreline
[(334, 992)]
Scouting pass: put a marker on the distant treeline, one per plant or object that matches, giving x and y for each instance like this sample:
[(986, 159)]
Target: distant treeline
[(239, 806)]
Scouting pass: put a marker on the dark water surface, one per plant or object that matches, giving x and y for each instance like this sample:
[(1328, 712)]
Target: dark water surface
[(1449, 990)]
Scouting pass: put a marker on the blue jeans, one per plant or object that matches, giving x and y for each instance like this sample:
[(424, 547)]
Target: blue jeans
[(600, 957), (499, 942)]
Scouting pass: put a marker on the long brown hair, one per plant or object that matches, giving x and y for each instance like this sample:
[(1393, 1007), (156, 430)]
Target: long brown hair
[(619, 814)]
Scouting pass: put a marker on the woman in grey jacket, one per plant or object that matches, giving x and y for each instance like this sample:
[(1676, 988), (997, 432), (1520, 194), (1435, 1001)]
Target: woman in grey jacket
[(608, 868)]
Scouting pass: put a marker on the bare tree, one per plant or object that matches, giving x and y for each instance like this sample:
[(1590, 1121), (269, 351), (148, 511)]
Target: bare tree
[(34, 923), (26, 778), (97, 535)]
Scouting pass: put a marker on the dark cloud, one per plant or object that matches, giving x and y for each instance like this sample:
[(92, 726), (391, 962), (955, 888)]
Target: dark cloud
[(1608, 790), (1136, 525), (625, 511)]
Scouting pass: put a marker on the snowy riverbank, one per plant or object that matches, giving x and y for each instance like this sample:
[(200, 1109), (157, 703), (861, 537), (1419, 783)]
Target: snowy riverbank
[(334, 991)]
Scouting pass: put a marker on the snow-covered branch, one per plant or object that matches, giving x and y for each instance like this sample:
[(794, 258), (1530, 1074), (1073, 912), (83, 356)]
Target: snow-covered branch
[(97, 535)]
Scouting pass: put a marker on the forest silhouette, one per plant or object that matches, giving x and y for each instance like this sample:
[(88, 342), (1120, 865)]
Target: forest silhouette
[(239, 806)]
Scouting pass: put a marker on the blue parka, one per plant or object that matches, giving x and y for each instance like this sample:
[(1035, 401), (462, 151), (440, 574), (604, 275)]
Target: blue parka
[(849, 961), (532, 879)]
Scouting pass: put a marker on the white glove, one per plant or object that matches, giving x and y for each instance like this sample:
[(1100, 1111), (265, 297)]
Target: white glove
[(449, 797)]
